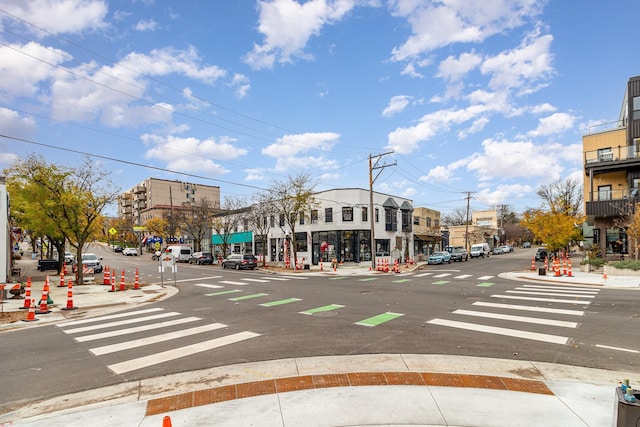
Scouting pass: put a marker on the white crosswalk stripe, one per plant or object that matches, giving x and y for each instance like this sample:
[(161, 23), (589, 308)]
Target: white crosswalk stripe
[(424, 274), (205, 285), (442, 275), (462, 276), (233, 283), (484, 321), (485, 277)]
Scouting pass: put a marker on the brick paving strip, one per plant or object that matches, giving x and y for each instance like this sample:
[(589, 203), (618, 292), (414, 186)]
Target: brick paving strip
[(282, 385)]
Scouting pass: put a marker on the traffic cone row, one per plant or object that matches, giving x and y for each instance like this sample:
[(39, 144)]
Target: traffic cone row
[(31, 316), (396, 266), (70, 297), (106, 280)]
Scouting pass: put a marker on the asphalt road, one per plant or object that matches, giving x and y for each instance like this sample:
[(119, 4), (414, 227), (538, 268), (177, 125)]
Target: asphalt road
[(242, 316)]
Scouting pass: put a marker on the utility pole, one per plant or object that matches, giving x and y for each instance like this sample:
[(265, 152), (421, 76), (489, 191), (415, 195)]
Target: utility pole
[(466, 230), (373, 166)]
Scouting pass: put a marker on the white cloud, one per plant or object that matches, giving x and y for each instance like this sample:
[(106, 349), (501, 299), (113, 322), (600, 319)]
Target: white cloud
[(505, 193), (288, 25), (290, 151), (553, 124), (453, 69), (14, 124), (241, 85), (21, 73), (58, 16), (438, 24), (192, 154), (146, 25), (543, 108), (396, 105)]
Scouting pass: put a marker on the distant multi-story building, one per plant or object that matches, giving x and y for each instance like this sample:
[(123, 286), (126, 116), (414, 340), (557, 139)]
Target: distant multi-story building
[(153, 198), (427, 236), (484, 228), (612, 176)]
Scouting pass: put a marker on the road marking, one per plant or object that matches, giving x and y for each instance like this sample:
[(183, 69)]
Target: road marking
[(142, 328), (280, 302), (229, 282), (441, 282), (530, 308), (532, 292), (367, 279), (298, 277), (617, 348), (244, 297), (338, 278), (109, 317), (215, 294), (257, 280), (462, 276), (199, 278), (205, 285), (485, 284), (525, 319), (379, 319), (442, 275), (560, 289), (561, 301), (554, 339), (127, 345), (485, 277), (120, 323), (401, 280), (329, 307), (282, 279), (423, 274), (165, 356)]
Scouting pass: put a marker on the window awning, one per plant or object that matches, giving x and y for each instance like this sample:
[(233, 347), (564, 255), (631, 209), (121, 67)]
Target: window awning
[(240, 237)]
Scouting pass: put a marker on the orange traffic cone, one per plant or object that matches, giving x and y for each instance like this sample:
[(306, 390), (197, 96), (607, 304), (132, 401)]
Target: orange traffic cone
[(533, 263), (27, 295), (70, 297), (166, 421), (604, 274), (122, 281), (320, 264), (105, 276), (135, 284), (31, 316), (61, 285), (113, 279), (44, 309)]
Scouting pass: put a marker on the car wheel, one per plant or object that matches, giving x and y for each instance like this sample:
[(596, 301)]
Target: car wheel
[(449, 261)]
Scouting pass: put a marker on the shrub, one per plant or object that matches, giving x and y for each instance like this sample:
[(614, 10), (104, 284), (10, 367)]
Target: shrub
[(594, 262), (628, 264)]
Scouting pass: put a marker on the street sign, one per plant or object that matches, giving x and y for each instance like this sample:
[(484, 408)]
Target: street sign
[(113, 231)]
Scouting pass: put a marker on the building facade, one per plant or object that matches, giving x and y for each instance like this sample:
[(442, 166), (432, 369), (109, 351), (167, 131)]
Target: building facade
[(427, 236), (339, 227), (612, 176), (484, 228)]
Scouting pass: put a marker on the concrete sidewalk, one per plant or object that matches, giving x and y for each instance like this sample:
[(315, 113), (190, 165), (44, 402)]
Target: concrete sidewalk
[(377, 389)]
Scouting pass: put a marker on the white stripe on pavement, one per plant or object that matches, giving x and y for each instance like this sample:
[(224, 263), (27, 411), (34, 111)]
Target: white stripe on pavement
[(462, 276), (205, 285), (485, 277), (276, 278), (142, 328), (177, 353), (106, 349), (561, 301), (530, 308), (109, 317), (120, 323), (554, 339), (257, 280), (442, 275), (617, 348), (526, 319), (577, 288), (533, 292), (423, 274), (229, 282)]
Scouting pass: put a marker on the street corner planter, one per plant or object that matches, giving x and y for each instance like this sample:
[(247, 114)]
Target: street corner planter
[(612, 271), (586, 268)]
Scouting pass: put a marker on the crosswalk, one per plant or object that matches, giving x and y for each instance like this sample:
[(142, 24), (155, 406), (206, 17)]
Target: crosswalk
[(518, 320)]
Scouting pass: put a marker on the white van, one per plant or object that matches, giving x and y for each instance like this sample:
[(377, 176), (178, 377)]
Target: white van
[(180, 253), (480, 250)]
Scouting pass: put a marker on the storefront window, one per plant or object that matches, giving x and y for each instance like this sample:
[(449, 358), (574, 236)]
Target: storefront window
[(383, 247), (616, 241), (301, 242)]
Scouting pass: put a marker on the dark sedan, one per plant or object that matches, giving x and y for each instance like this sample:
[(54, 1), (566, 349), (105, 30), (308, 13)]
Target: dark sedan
[(201, 258), (239, 261)]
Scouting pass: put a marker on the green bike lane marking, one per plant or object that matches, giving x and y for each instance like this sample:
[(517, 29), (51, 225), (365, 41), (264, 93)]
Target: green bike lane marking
[(215, 294), (379, 319), (338, 278), (368, 279), (401, 280), (244, 297), (486, 284), (441, 282), (329, 307), (280, 302)]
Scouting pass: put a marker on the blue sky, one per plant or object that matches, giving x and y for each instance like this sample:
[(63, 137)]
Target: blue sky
[(490, 97)]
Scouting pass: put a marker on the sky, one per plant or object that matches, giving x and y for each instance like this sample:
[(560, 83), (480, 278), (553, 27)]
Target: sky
[(455, 98)]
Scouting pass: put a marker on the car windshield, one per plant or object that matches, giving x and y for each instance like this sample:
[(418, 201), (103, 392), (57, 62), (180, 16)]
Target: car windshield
[(89, 257), (438, 254)]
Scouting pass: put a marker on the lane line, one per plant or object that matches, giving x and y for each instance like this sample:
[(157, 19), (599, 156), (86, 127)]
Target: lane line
[(379, 319), (554, 339), (423, 274), (231, 282), (257, 280), (142, 328), (530, 308), (280, 302), (127, 345), (177, 353), (560, 301), (276, 278), (109, 317), (525, 319), (204, 285), (120, 323), (577, 288), (617, 348)]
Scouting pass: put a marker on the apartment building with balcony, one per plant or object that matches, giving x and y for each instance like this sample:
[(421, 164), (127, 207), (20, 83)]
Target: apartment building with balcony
[(153, 198), (612, 176)]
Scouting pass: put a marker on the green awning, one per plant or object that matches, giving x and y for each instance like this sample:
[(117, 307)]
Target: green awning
[(241, 237)]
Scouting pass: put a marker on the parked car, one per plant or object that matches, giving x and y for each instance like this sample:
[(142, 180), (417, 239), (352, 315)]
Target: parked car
[(92, 261), (506, 249), (497, 250), (526, 245), (117, 248), (459, 254), (439, 258), (130, 252), (480, 250), (240, 261), (541, 254), (69, 258), (201, 258)]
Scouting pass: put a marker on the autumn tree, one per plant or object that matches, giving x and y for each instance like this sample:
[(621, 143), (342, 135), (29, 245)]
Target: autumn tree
[(293, 199), (562, 196), (556, 230), (71, 199), (196, 221), (258, 216)]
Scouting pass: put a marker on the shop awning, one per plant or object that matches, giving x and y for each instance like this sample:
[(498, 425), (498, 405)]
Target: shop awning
[(241, 237)]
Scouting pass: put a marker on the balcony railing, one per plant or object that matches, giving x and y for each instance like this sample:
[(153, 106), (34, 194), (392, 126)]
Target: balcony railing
[(616, 154), (612, 208)]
